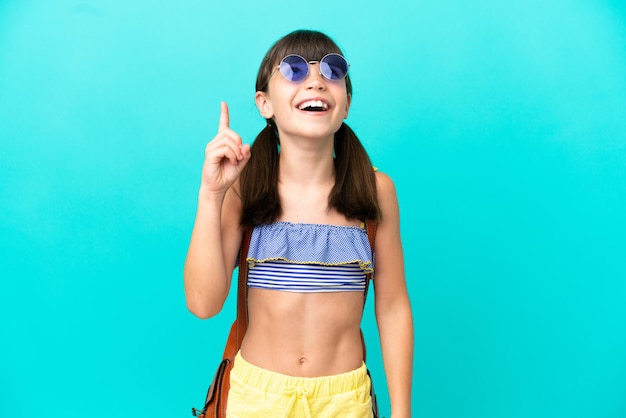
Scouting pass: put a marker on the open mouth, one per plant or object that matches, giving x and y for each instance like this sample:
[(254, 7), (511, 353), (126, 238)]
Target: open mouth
[(313, 106)]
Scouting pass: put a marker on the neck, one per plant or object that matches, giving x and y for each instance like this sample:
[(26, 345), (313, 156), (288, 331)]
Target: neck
[(307, 162)]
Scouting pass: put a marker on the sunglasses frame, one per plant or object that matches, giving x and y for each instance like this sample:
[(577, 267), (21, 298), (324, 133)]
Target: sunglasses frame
[(278, 67)]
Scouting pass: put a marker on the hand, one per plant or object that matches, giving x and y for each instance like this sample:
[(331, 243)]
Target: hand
[(224, 157)]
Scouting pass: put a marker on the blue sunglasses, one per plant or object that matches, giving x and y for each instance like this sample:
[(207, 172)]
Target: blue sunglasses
[(295, 68)]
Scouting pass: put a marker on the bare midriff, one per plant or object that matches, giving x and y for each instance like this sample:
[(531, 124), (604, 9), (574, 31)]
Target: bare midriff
[(304, 334)]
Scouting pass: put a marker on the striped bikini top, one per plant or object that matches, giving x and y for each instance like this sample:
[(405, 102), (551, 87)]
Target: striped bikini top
[(298, 257)]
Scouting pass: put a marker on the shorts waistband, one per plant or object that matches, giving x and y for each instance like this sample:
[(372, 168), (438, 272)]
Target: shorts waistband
[(315, 387)]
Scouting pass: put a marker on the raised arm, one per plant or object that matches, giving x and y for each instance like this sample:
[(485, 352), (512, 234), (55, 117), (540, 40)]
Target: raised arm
[(216, 234), (392, 306)]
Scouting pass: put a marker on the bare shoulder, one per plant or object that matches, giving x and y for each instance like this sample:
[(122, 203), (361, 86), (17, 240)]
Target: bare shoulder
[(383, 180), (387, 198)]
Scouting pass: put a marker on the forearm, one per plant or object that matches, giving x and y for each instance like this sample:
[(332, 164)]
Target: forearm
[(206, 276), (216, 235), (395, 325)]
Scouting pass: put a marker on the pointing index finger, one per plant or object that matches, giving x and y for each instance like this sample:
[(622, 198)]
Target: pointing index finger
[(224, 117)]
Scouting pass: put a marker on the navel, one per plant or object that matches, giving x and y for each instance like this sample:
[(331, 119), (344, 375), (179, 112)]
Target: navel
[(303, 360)]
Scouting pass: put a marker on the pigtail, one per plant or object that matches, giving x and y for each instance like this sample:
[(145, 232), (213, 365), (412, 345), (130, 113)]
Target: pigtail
[(354, 193), (259, 180)]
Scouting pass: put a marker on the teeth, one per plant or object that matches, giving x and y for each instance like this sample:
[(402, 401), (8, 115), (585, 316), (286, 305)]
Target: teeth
[(313, 103)]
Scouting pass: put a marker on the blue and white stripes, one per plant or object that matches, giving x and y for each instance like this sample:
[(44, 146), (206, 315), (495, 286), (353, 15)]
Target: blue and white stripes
[(309, 257), (281, 275)]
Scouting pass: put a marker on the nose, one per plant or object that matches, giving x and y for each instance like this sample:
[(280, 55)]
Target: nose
[(315, 80)]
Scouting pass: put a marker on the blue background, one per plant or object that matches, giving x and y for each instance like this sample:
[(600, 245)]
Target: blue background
[(502, 123)]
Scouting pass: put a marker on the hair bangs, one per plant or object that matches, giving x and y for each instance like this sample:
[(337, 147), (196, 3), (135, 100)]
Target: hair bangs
[(312, 46)]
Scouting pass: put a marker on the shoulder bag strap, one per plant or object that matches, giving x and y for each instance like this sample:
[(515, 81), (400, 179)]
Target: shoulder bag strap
[(242, 287), (370, 228)]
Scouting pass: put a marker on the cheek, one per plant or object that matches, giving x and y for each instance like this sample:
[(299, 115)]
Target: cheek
[(344, 104), (282, 97), (340, 92)]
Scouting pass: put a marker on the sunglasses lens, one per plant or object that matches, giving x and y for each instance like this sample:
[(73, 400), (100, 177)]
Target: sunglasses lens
[(294, 68), (334, 67)]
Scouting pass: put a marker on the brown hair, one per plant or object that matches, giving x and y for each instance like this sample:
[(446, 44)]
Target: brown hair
[(354, 193)]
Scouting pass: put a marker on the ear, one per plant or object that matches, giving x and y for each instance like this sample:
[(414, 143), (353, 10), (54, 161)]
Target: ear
[(264, 105), (345, 116)]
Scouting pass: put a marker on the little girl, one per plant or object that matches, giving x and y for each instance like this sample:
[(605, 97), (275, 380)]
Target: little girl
[(306, 188)]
